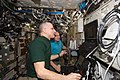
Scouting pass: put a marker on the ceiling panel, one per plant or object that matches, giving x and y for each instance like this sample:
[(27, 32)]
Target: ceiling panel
[(68, 4), (61, 3)]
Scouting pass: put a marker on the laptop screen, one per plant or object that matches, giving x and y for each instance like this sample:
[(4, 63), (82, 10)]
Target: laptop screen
[(90, 30)]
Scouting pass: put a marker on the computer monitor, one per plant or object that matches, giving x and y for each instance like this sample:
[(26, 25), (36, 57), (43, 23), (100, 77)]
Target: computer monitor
[(90, 30)]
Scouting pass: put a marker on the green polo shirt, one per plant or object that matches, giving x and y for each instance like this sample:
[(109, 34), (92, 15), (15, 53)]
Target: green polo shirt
[(38, 50)]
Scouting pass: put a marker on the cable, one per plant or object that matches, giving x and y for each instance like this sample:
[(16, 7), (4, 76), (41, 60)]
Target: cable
[(88, 6), (118, 56), (109, 19), (38, 15), (100, 32), (87, 72), (118, 60), (100, 70), (115, 55), (6, 5)]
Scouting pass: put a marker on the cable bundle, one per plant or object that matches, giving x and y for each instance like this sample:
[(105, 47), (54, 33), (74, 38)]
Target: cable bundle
[(111, 18)]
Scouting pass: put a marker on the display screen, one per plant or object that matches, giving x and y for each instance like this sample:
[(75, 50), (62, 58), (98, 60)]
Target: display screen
[(90, 30)]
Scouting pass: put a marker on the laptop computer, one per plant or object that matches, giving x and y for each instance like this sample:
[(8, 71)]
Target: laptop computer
[(90, 44)]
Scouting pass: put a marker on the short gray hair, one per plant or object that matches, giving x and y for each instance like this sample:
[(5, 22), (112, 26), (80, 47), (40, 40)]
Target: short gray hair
[(42, 25)]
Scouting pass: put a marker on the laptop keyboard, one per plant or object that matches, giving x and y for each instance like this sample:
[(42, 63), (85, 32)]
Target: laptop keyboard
[(87, 47)]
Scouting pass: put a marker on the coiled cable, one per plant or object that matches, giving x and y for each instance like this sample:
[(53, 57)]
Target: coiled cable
[(107, 21)]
